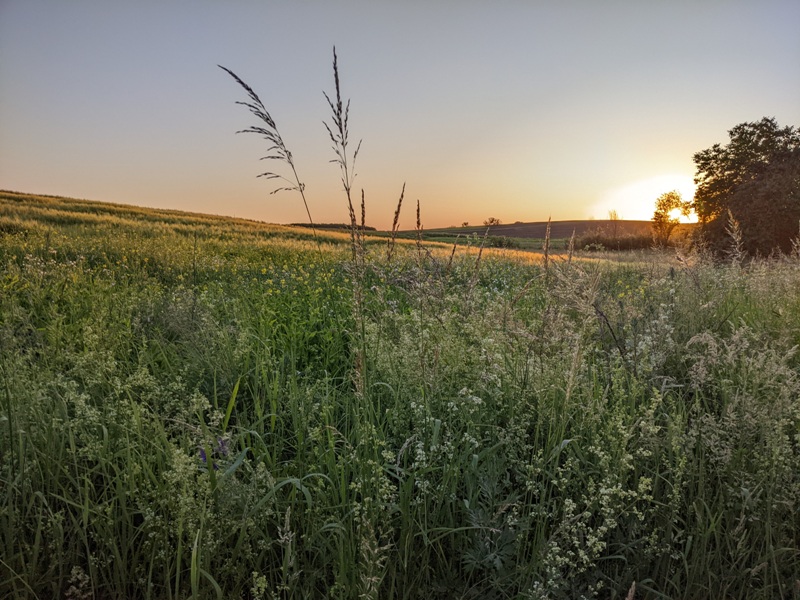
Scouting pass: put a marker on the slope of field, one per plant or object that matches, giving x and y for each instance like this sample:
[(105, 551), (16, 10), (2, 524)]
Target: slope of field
[(199, 407), (36, 209)]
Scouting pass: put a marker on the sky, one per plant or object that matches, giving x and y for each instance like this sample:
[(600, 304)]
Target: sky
[(516, 110)]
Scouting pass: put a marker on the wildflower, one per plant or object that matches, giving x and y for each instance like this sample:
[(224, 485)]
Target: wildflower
[(204, 459), (221, 450)]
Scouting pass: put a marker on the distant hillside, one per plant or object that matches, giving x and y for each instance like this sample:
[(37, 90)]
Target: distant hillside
[(558, 229)]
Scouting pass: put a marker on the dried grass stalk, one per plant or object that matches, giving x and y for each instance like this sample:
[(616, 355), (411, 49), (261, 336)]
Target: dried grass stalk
[(395, 225), (277, 149)]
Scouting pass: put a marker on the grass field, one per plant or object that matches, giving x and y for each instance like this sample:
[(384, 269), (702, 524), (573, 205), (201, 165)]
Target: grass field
[(199, 407)]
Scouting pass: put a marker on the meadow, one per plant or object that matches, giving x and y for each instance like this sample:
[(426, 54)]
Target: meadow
[(198, 407)]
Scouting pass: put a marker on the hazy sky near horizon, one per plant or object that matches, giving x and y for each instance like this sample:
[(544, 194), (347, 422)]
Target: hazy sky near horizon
[(517, 110)]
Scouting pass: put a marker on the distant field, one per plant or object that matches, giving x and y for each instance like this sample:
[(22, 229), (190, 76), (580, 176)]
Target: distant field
[(197, 407), (530, 236), (558, 229)]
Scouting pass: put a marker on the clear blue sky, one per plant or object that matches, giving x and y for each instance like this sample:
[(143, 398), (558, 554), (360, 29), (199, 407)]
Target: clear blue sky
[(518, 110)]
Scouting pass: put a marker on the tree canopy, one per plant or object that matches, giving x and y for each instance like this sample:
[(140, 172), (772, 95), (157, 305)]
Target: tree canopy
[(757, 177), (664, 221)]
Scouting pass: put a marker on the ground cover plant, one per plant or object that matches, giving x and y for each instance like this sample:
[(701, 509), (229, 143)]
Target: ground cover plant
[(195, 407)]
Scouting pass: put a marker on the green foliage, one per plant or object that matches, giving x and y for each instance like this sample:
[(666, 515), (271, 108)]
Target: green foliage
[(603, 239), (501, 241), (216, 409), (757, 177)]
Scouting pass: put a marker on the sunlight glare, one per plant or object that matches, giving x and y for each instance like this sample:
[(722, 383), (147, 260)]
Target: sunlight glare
[(676, 214), (636, 201)]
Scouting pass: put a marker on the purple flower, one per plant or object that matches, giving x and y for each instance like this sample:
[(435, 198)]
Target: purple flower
[(203, 458), (222, 447)]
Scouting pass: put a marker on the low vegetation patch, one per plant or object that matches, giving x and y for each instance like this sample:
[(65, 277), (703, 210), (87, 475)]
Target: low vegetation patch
[(599, 239)]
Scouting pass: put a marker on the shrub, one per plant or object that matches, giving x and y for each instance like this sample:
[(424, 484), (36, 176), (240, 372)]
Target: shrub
[(501, 241), (600, 239)]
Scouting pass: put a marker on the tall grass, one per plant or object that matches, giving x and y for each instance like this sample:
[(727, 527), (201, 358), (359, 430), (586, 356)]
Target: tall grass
[(210, 420), (277, 149)]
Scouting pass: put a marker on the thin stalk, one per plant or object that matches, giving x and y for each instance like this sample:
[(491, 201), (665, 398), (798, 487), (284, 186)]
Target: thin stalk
[(419, 233), (571, 248), (339, 135), (277, 149), (547, 246), (395, 226)]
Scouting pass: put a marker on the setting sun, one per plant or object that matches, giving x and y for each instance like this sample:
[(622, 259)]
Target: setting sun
[(676, 214), (636, 201)]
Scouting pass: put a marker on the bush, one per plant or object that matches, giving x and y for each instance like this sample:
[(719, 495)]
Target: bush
[(501, 241), (600, 239)]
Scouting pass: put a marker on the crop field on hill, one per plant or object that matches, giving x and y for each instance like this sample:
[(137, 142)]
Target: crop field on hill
[(199, 407), (558, 229), (560, 235)]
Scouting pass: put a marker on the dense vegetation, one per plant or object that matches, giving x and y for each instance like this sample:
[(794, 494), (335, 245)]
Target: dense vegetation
[(195, 407), (752, 186)]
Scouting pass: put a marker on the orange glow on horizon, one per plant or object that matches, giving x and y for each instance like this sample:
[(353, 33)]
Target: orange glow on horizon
[(636, 201)]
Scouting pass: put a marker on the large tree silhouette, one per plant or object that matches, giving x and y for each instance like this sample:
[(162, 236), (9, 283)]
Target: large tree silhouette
[(757, 177)]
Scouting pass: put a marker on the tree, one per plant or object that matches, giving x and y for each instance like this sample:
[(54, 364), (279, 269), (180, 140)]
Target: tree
[(665, 219), (767, 209), (613, 216), (757, 177), (491, 221)]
